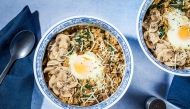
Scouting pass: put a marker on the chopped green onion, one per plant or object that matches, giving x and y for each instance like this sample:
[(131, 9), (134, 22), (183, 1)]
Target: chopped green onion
[(177, 4), (162, 32)]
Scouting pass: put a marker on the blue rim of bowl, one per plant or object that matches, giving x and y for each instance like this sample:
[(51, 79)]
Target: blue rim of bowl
[(140, 17), (66, 23)]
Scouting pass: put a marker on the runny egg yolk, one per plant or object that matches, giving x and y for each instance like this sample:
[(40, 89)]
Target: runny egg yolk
[(86, 66), (184, 32), (81, 67)]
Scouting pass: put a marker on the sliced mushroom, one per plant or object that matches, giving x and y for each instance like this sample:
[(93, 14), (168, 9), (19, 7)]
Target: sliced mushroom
[(66, 70), (180, 58), (156, 20), (165, 55), (59, 53), (63, 41), (63, 51), (153, 27), (60, 84), (165, 43), (51, 45), (154, 38), (155, 16), (146, 35), (159, 48), (52, 81), (49, 69), (61, 73), (55, 51), (65, 92), (55, 89), (51, 56), (169, 63), (53, 63), (146, 23), (150, 45), (61, 58), (71, 82), (62, 76)]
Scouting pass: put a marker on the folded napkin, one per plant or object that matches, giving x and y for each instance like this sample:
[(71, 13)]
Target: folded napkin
[(179, 92), (17, 87)]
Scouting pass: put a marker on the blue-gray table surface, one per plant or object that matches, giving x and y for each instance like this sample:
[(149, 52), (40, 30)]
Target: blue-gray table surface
[(148, 80)]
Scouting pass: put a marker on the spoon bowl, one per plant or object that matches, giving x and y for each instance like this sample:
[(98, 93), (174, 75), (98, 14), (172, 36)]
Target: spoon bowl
[(20, 46)]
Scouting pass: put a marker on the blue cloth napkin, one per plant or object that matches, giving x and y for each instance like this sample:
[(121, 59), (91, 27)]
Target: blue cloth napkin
[(17, 87), (179, 92)]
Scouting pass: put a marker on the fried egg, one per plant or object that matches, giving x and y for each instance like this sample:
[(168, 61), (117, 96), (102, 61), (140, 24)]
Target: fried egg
[(179, 29), (86, 66)]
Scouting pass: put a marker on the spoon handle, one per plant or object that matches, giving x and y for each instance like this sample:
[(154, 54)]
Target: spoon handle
[(3, 74)]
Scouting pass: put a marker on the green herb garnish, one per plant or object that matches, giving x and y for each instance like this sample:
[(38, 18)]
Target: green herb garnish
[(158, 5), (70, 50), (88, 86), (162, 32), (177, 4), (110, 48)]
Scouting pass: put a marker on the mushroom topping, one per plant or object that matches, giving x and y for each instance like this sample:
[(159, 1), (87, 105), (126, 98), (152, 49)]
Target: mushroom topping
[(146, 35), (154, 37), (61, 73), (66, 70), (61, 58), (159, 48), (169, 63), (71, 82), (55, 89), (63, 41), (155, 16), (150, 45), (62, 76), (146, 23), (59, 53), (51, 45), (165, 43), (63, 51), (180, 57), (53, 63), (55, 51), (65, 92), (153, 27), (49, 70), (165, 55), (52, 81), (60, 84), (50, 55)]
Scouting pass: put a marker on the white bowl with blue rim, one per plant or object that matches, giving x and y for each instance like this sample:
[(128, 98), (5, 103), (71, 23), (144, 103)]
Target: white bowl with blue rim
[(78, 20), (140, 18)]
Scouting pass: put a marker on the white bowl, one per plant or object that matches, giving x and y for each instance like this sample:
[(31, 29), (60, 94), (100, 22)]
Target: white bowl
[(77, 20), (140, 18)]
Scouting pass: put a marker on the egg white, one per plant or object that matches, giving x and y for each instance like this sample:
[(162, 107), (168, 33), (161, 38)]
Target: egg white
[(95, 66), (176, 19)]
